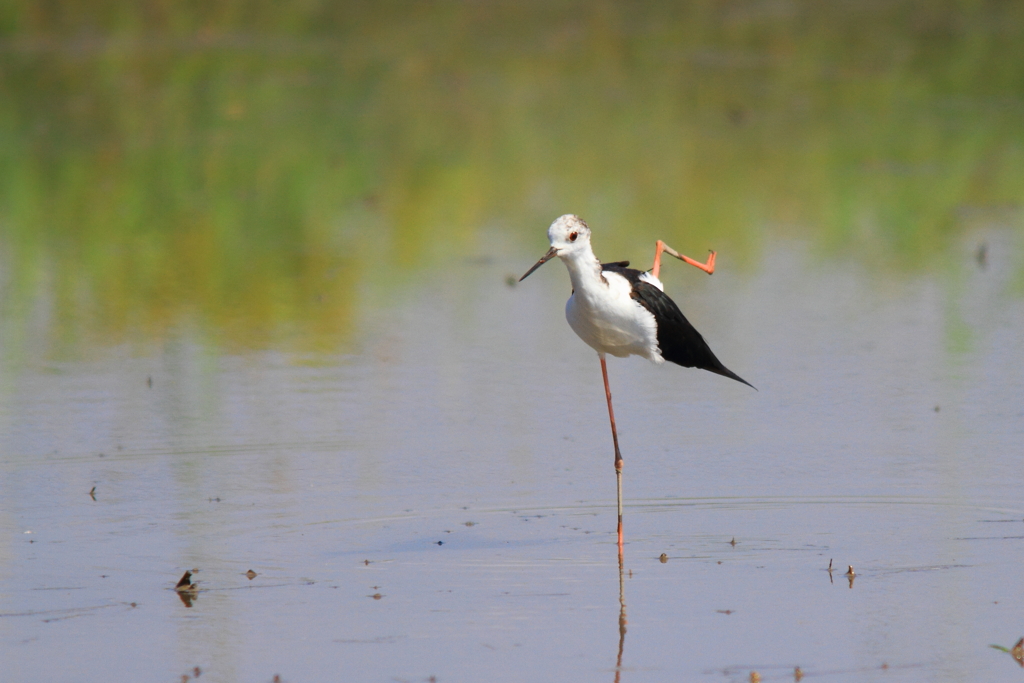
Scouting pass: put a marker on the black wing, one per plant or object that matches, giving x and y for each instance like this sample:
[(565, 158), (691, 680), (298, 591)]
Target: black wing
[(678, 341)]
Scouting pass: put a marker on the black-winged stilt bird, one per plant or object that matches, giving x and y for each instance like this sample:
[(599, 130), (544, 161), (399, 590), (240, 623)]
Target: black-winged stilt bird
[(618, 310)]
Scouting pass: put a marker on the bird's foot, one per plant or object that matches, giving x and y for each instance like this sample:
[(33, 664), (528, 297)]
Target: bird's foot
[(708, 267)]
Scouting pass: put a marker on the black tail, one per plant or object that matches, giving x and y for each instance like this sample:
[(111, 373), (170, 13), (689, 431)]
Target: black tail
[(720, 369), (678, 341)]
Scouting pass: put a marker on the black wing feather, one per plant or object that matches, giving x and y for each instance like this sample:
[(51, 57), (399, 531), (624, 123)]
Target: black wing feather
[(678, 340)]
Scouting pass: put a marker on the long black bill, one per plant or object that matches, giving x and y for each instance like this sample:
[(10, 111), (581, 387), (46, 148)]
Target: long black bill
[(552, 253)]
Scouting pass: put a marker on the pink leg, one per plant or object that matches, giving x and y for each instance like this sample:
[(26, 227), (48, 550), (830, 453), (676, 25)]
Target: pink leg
[(708, 267), (615, 440)]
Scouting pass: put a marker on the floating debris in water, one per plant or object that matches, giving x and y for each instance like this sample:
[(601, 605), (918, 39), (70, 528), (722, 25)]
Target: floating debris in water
[(1017, 651), (185, 582), (663, 558), (733, 542), (187, 590), (92, 493), (251, 574), (797, 674)]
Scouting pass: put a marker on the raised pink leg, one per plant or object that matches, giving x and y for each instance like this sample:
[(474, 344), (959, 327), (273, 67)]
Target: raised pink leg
[(708, 267)]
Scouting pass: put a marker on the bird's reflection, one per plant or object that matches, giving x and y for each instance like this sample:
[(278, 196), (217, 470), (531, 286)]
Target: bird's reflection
[(622, 614)]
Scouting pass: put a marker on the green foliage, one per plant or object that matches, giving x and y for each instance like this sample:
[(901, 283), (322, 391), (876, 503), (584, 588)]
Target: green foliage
[(240, 162)]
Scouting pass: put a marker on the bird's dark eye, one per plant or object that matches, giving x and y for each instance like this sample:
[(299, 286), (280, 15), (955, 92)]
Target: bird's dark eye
[(573, 236)]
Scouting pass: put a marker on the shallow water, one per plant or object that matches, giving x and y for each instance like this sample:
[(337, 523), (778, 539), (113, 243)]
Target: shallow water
[(258, 312), (440, 502)]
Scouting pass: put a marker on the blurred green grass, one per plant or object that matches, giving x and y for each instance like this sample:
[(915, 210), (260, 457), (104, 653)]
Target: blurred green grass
[(247, 167)]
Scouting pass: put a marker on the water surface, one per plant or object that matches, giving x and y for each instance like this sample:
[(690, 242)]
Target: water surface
[(258, 312), (458, 466)]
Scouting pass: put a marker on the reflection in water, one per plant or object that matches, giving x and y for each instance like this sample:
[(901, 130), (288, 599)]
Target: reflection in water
[(622, 615), (850, 574), (239, 173), (188, 595), (1017, 651), (187, 591), (281, 182)]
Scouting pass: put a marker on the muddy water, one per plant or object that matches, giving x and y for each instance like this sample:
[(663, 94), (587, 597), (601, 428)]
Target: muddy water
[(439, 503)]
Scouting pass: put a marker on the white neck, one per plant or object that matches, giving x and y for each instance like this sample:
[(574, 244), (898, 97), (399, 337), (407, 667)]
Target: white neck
[(584, 269)]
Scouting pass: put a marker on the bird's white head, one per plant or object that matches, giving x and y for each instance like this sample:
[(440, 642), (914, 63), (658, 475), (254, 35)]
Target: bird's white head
[(569, 236)]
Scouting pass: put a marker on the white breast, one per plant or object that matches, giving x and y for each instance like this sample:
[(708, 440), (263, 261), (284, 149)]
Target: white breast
[(610, 321)]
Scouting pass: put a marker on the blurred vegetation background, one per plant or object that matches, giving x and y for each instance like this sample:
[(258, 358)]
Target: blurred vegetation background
[(248, 168)]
